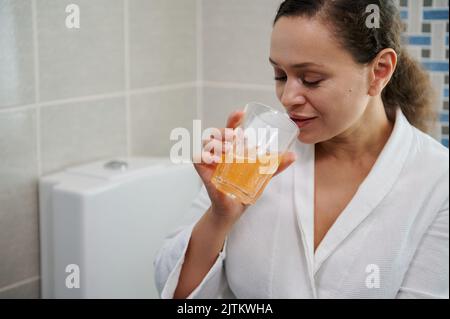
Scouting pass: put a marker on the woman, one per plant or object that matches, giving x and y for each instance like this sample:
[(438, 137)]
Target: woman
[(362, 212)]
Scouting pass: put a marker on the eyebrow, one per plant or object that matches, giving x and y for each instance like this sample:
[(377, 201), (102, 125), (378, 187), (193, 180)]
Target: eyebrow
[(298, 65)]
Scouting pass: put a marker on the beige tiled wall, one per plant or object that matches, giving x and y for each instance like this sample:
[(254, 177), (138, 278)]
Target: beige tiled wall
[(165, 52), (133, 71), (77, 132), (68, 96), (17, 53), (166, 111), (19, 245), (235, 56), (80, 62)]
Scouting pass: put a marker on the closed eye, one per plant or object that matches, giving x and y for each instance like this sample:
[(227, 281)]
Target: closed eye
[(306, 83), (311, 84), (280, 78)]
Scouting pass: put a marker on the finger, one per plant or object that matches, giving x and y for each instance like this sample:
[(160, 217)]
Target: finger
[(216, 147), (219, 137), (286, 160), (219, 146), (208, 141), (212, 133), (206, 157), (234, 119), (209, 159), (223, 134)]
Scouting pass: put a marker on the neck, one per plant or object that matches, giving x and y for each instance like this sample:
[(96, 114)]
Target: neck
[(365, 138)]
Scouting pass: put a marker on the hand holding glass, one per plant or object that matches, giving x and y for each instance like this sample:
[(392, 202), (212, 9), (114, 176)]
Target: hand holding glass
[(255, 153)]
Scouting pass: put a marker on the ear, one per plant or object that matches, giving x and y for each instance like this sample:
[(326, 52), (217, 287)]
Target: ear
[(382, 69)]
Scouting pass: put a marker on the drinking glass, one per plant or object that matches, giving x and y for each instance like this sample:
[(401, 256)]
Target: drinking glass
[(254, 152)]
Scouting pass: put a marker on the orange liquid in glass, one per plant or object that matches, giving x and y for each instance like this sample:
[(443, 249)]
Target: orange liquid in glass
[(245, 180)]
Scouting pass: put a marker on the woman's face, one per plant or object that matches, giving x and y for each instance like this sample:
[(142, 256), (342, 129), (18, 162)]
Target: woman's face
[(316, 77)]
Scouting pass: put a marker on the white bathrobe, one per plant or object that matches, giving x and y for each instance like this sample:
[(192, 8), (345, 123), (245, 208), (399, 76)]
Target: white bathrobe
[(391, 240)]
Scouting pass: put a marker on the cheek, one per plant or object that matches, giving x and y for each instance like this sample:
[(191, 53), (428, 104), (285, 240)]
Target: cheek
[(342, 101), (339, 107), (324, 101)]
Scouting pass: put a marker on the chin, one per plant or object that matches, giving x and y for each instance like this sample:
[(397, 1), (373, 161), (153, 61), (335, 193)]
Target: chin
[(307, 139)]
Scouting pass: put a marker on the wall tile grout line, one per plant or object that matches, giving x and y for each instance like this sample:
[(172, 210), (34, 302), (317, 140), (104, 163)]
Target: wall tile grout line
[(37, 86), (18, 108), (19, 283), (127, 76), (199, 57), (153, 89), (36, 51), (235, 85), (163, 88), (86, 98)]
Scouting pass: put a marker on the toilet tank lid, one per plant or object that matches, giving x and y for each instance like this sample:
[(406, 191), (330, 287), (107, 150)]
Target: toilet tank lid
[(118, 168)]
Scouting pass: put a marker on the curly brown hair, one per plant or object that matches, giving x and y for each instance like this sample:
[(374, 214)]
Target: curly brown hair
[(410, 86)]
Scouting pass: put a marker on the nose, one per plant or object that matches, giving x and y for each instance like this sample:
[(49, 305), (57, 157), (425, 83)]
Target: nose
[(293, 94)]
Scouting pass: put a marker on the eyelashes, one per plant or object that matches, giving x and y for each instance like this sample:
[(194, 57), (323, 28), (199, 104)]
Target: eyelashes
[(308, 84), (280, 78), (312, 84)]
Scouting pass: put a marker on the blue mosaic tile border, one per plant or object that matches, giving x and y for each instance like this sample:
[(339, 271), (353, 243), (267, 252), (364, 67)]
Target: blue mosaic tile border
[(427, 33)]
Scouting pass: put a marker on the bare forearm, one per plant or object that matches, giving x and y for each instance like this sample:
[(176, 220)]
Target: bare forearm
[(207, 240)]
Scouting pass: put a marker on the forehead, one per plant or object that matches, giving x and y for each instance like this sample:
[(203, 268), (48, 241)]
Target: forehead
[(300, 39)]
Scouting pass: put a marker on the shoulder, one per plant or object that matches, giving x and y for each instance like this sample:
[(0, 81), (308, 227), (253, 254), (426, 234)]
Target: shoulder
[(426, 151), (429, 145), (428, 161)]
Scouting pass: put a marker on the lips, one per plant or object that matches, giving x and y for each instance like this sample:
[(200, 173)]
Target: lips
[(301, 117), (302, 121)]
